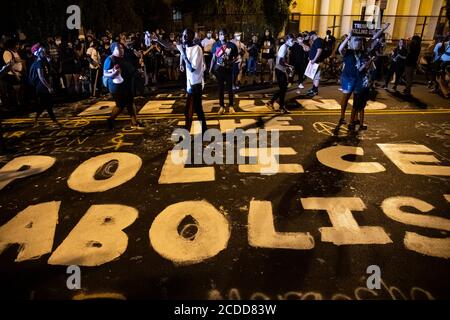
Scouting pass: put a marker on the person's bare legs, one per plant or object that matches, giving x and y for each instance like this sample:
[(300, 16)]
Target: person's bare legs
[(344, 104), (361, 119)]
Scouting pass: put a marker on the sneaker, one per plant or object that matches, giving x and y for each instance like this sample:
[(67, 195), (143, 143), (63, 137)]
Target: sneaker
[(221, 111), (362, 127), (301, 86), (385, 87), (312, 93), (351, 127), (283, 110), (269, 105), (231, 110)]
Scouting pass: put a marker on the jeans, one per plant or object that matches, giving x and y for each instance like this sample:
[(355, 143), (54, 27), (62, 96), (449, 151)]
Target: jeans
[(224, 77), (251, 65), (283, 85), (194, 103)]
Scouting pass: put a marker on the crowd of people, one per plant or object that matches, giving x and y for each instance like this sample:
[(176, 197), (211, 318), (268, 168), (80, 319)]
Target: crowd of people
[(130, 64)]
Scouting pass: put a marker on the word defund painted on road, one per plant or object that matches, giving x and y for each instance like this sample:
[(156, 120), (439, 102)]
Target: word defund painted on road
[(246, 103)]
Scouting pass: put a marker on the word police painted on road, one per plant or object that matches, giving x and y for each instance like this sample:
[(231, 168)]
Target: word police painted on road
[(98, 237)]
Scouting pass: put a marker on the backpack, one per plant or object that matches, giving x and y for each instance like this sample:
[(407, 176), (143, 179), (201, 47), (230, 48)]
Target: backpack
[(33, 76)]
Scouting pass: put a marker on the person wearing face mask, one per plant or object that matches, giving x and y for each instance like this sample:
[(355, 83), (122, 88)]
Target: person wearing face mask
[(207, 45), (119, 77), (225, 53), (297, 59), (316, 55), (237, 67), (39, 77), (281, 74), (192, 56), (253, 50), (357, 77), (267, 45), (349, 76), (399, 55)]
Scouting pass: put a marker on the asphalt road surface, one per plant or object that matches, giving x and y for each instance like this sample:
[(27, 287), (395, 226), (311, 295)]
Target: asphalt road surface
[(140, 226)]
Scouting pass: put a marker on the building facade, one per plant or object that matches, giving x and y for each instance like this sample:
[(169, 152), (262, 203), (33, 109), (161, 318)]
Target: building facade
[(407, 17)]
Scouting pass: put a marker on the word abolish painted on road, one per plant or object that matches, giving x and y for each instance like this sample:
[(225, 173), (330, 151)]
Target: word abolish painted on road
[(99, 236)]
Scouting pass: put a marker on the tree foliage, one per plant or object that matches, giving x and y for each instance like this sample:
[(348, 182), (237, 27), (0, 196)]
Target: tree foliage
[(42, 18)]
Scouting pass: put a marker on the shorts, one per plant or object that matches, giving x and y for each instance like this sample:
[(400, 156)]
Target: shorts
[(123, 99), (317, 76), (348, 84)]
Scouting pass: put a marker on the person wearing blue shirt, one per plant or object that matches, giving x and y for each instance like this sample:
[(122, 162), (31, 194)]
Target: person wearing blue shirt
[(119, 73)]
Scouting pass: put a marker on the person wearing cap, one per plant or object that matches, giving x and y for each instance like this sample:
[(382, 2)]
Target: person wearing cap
[(225, 54), (315, 56), (281, 74), (40, 79), (119, 75), (237, 66), (207, 45)]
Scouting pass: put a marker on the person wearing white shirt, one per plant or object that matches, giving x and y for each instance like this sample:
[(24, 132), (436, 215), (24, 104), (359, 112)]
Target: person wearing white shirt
[(94, 66), (192, 56), (281, 74), (207, 45)]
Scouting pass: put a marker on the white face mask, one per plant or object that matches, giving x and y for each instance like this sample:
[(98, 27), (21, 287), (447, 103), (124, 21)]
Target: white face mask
[(238, 38), (58, 42), (208, 35), (222, 38), (267, 34)]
